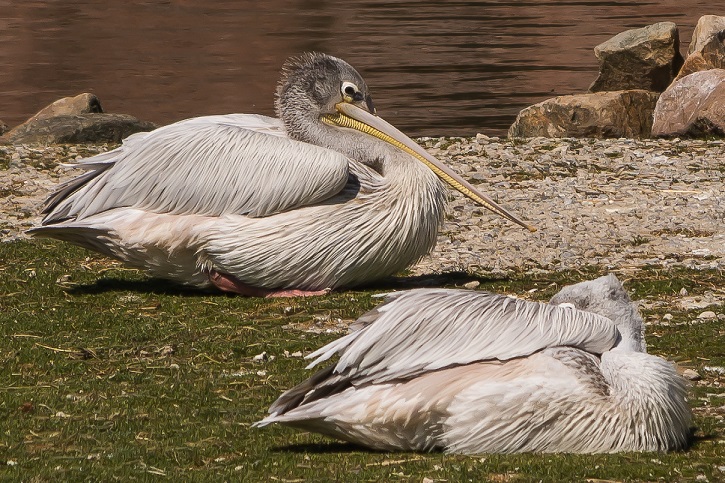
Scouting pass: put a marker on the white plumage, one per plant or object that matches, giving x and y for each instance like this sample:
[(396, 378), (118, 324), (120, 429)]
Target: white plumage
[(328, 195), (473, 372)]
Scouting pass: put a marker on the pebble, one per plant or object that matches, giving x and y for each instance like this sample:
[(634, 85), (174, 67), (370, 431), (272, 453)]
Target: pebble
[(715, 369), (691, 375), (618, 204), (708, 314), (260, 357)]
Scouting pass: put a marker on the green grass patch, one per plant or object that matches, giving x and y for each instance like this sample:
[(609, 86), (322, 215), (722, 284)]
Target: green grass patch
[(106, 374)]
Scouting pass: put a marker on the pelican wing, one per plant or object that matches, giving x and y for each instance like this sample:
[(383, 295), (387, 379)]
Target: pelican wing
[(425, 330), (214, 165)]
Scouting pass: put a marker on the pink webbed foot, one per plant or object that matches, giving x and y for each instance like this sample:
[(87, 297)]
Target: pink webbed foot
[(228, 283)]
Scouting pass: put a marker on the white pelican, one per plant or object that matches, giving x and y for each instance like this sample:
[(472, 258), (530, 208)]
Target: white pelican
[(473, 372), (329, 195)]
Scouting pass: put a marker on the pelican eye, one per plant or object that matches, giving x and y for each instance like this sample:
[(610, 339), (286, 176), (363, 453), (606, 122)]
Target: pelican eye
[(350, 92)]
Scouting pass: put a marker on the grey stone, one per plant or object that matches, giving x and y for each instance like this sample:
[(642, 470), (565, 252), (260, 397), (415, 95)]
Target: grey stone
[(79, 128), (645, 58), (692, 106), (708, 314), (691, 375), (599, 115)]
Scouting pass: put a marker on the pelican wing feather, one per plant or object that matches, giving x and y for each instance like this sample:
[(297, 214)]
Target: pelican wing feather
[(426, 330), (213, 166)]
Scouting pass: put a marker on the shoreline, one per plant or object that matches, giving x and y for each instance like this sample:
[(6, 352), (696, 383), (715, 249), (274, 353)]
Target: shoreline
[(622, 204)]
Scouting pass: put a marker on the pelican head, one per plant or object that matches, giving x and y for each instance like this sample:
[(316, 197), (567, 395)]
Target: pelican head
[(606, 296), (323, 100)]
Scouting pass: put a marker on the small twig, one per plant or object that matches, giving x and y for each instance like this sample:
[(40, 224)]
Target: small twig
[(393, 462), (54, 349)]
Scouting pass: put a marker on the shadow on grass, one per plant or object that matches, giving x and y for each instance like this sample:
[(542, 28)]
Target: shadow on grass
[(427, 281), (343, 447), (150, 285), (697, 439), (324, 448), (164, 287)]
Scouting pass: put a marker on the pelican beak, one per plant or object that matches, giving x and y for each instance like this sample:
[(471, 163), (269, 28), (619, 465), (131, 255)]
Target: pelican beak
[(351, 116)]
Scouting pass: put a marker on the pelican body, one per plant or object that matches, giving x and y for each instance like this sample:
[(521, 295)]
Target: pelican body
[(473, 372), (327, 195)]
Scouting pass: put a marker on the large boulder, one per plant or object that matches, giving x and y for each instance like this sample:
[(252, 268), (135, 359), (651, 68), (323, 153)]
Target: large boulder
[(646, 58), (599, 115), (692, 106), (706, 27), (707, 48), (78, 119), (77, 128), (81, 104)]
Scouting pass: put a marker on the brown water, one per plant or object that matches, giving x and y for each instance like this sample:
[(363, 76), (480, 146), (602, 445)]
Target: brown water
[(435, 68)]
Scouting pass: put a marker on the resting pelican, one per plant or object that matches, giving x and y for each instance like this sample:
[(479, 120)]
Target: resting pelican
[(329, 195), (473, 372)]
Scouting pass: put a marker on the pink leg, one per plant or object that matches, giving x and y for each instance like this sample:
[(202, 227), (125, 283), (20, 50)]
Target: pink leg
[(228, 283)]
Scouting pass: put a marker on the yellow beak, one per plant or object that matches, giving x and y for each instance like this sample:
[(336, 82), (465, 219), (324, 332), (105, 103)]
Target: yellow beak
[(351, 116)]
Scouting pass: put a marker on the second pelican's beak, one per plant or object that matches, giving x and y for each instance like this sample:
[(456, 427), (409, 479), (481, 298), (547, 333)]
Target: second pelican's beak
[(351, 116)]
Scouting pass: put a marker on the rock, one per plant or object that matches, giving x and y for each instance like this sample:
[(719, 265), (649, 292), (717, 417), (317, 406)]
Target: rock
[(708, 314), (646, 58), (707, 26), (709, 55), (691, 375), (699, 61), (692, 106), (78, 119), (81, 104), (599, 115), (261, 357), (3, 127), (472, 285), (78, 128)]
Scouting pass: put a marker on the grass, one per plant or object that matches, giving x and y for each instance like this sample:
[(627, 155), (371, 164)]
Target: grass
[(107, 375)]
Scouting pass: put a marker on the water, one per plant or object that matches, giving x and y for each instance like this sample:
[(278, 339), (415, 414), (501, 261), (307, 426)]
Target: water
[(435, 68)]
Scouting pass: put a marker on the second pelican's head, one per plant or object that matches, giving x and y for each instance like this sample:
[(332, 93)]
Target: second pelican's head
[(318, 92)]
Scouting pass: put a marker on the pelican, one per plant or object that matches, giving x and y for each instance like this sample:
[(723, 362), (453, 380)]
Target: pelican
[(328, 195), (474, 372)]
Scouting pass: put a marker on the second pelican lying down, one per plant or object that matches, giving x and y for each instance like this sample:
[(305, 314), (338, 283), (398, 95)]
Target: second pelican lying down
[(473, 372), (329, 195)]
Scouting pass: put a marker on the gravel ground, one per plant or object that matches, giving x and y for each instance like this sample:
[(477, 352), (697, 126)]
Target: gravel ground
[(622, 204)]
